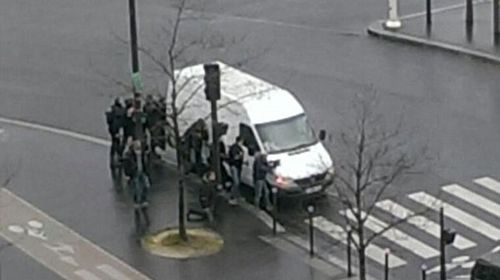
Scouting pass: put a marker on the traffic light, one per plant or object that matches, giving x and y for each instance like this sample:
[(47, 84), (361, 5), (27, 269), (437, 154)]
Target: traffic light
[(449, 236), (221, 129), (212, 81)]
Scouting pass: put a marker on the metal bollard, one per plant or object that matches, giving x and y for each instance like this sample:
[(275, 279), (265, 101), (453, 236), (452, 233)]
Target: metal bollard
[(349, 238), (310, 211), (469, 14), (275, 207), (393, 22), (386, 264), (424, 271), (428, 12)]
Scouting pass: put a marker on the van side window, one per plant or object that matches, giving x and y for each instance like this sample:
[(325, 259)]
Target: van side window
[(248, 137)]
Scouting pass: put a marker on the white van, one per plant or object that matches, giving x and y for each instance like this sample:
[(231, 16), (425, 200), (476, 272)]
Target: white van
[(269, 119)]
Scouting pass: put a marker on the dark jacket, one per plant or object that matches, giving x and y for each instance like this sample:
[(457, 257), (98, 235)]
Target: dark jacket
[(235, 156), (115, 118), (260, 168), (207, 192), (130, 166)]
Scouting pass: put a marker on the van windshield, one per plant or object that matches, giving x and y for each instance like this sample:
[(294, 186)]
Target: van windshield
[(287, 134)]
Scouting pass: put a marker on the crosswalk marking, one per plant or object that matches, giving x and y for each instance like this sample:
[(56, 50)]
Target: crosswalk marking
[(421, 222), (474, 199), (458, 215), (86, 275), (373, 252), (402, 239), (112, 272), (489, 183)]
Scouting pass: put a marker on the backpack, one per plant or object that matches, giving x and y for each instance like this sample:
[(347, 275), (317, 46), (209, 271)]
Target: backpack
[(129, 165)]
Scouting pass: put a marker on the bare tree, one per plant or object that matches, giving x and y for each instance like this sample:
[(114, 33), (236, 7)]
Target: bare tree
[(170, 58), (370, 158)]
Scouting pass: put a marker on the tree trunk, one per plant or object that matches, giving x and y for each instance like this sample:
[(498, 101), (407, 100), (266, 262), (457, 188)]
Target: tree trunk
[(361, 249), (180, 170), (182, 224), (362, 262)]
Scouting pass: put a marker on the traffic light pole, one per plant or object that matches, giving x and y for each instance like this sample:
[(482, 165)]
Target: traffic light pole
[(212, 93), (215, 142), (442, 245)]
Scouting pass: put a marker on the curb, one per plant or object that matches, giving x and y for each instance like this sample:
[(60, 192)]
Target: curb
[(376, 29)]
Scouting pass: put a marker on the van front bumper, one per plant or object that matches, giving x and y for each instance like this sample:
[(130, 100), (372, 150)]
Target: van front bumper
[(314, 188)]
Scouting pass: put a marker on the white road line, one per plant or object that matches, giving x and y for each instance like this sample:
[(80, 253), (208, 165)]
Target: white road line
[(373, 252), (458, 215), (54, 130), (86, 275), (489, 183), (474, 199), (421, 222), (397, 236), (112, 272), (87, 251)]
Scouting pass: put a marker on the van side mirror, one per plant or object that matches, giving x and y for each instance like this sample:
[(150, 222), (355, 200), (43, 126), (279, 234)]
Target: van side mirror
[(322, 135)]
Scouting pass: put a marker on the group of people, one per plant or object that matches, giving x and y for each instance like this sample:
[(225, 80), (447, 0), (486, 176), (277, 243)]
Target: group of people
[(137, 125), (135, 128), (235, 159)]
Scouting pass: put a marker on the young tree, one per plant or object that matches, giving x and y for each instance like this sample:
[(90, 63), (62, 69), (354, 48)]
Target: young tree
[(371, 156), (177, 53)]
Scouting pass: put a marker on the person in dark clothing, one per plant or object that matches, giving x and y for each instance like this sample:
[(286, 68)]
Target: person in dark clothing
[(207, 193), (260, 171), (134, 167), (115, 118), (196, 138), (128, 126), (235, 161), (223, 158)]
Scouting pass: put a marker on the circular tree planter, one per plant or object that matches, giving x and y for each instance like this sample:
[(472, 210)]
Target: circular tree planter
[(168, 243)]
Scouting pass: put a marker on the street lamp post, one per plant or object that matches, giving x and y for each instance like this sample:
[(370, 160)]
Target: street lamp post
[(424, 271)]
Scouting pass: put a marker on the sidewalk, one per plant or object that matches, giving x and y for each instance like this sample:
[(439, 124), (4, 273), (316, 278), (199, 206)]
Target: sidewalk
[(448, 31), (245, 255)]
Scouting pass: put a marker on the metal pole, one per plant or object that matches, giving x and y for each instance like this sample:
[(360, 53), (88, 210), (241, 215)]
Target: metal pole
[(496, 21), (428, 12), (424, 270), (349, 266), (442, 245), (386, 265), (469, 17), (275, 208), (215, 143), (133, 37), (310, 210)]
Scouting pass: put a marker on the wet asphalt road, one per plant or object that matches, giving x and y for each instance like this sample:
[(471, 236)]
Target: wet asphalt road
[(56, 58)]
